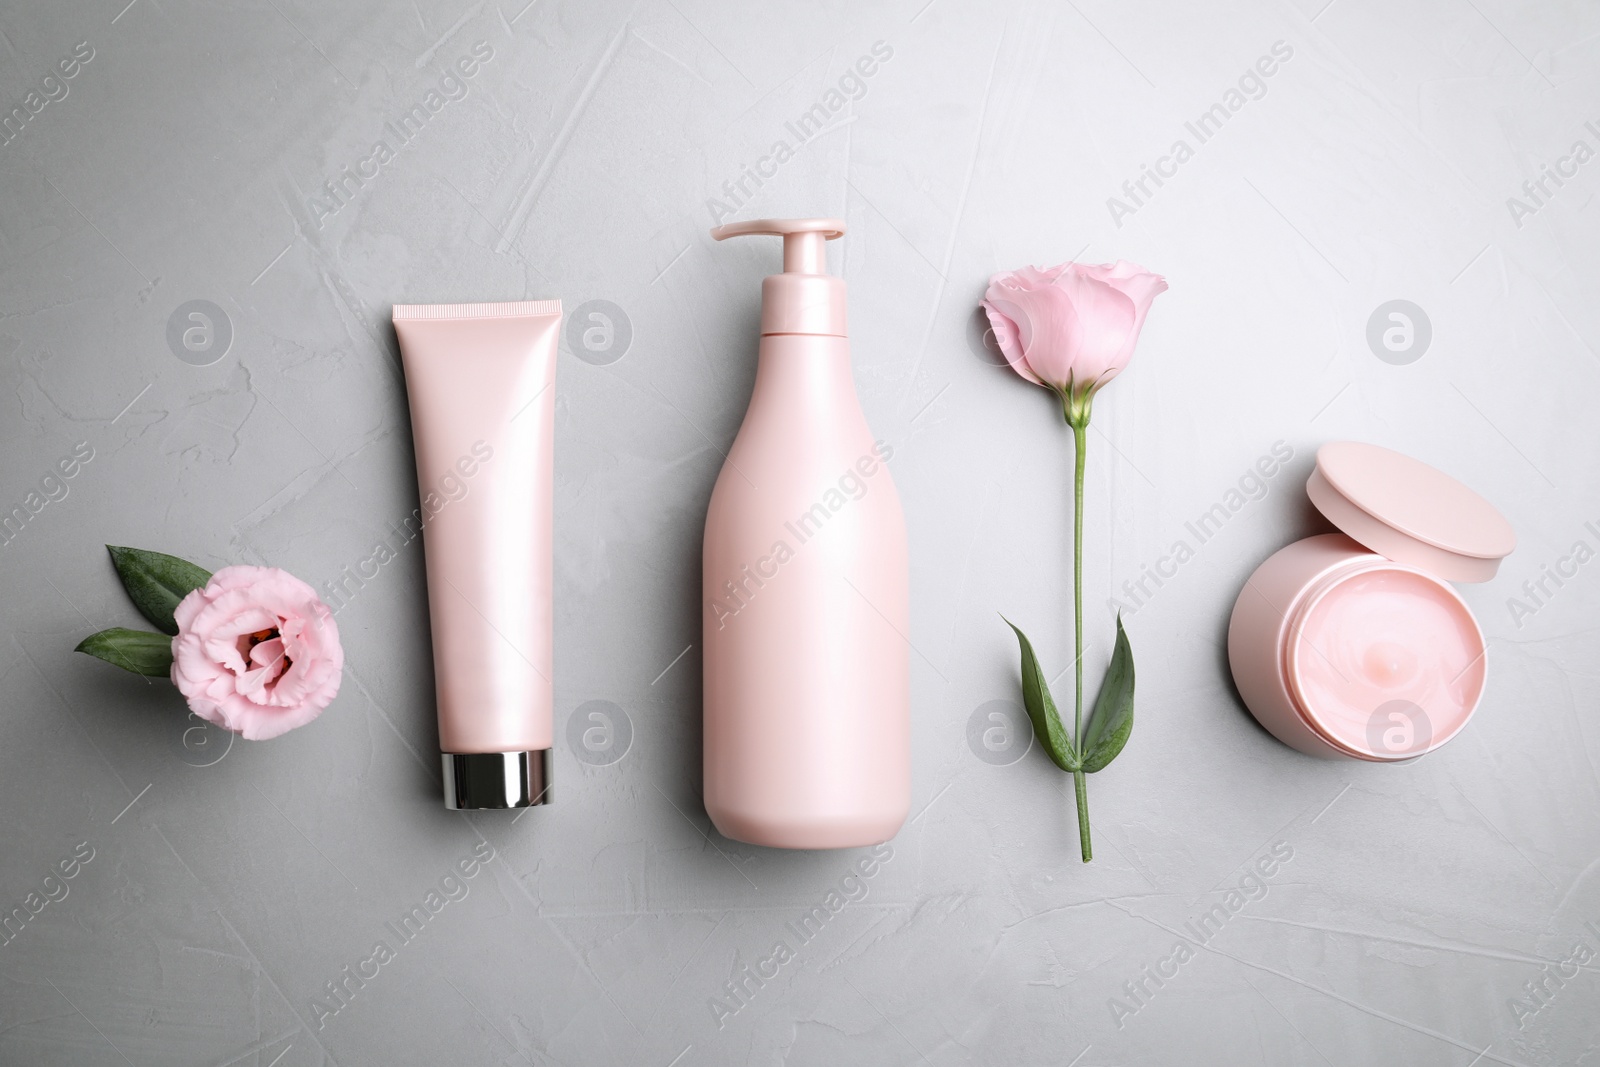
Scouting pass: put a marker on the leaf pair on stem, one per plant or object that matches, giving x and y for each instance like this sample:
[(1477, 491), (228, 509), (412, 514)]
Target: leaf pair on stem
[(1107, 731)]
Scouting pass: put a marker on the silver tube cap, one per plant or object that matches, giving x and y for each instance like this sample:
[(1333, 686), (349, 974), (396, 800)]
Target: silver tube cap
[(496, 779)]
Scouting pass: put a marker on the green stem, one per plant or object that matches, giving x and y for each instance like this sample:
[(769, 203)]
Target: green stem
[(1078, 416), (1080, 786)]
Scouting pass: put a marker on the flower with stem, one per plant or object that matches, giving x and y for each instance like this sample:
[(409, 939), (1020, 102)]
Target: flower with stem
[(1072, 328)]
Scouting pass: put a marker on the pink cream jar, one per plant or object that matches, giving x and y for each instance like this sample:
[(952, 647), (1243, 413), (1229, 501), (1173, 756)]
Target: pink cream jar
[(1354, 644)]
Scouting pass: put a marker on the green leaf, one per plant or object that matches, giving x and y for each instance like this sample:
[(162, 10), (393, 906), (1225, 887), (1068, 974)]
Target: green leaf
[(156, 582), (1042, 709), (139, 651), (1112, 719)]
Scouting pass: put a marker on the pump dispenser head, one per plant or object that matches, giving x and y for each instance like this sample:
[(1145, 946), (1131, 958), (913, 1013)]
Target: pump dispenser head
[(804, 299)]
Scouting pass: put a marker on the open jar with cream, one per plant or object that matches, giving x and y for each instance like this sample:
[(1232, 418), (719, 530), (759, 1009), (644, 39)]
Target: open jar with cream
[(1354, 644)]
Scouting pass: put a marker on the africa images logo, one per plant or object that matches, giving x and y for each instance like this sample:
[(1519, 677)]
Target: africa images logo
[(803, 129), (745, 982), (454, 85), (1251, 85)]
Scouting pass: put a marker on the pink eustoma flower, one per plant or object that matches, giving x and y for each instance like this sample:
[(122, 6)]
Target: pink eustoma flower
[(257, 652), (1073, 327)]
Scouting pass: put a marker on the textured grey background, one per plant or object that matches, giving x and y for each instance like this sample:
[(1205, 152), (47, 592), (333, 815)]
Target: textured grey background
[(230, 884)]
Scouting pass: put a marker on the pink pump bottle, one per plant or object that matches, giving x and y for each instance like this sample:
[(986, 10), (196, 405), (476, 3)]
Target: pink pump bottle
[(806, 617)]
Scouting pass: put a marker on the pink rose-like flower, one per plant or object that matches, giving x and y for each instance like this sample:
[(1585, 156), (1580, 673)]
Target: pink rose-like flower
[(257, 652), (1071, 327)]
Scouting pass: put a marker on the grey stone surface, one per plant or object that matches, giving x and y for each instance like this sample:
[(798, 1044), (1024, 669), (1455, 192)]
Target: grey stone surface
[(230, 883)]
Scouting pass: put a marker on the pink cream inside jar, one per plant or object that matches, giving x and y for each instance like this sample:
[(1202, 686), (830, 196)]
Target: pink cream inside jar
[(1384, 662)]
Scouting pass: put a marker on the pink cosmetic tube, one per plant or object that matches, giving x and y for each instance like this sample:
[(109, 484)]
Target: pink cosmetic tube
[(480, 379)]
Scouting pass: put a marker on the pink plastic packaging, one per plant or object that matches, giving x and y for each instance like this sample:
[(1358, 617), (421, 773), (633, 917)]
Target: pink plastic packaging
[(1354, 645), (480, 378), (806, 586)]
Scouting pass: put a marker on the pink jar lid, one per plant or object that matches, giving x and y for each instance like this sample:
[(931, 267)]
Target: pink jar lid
[(1407, 511)]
